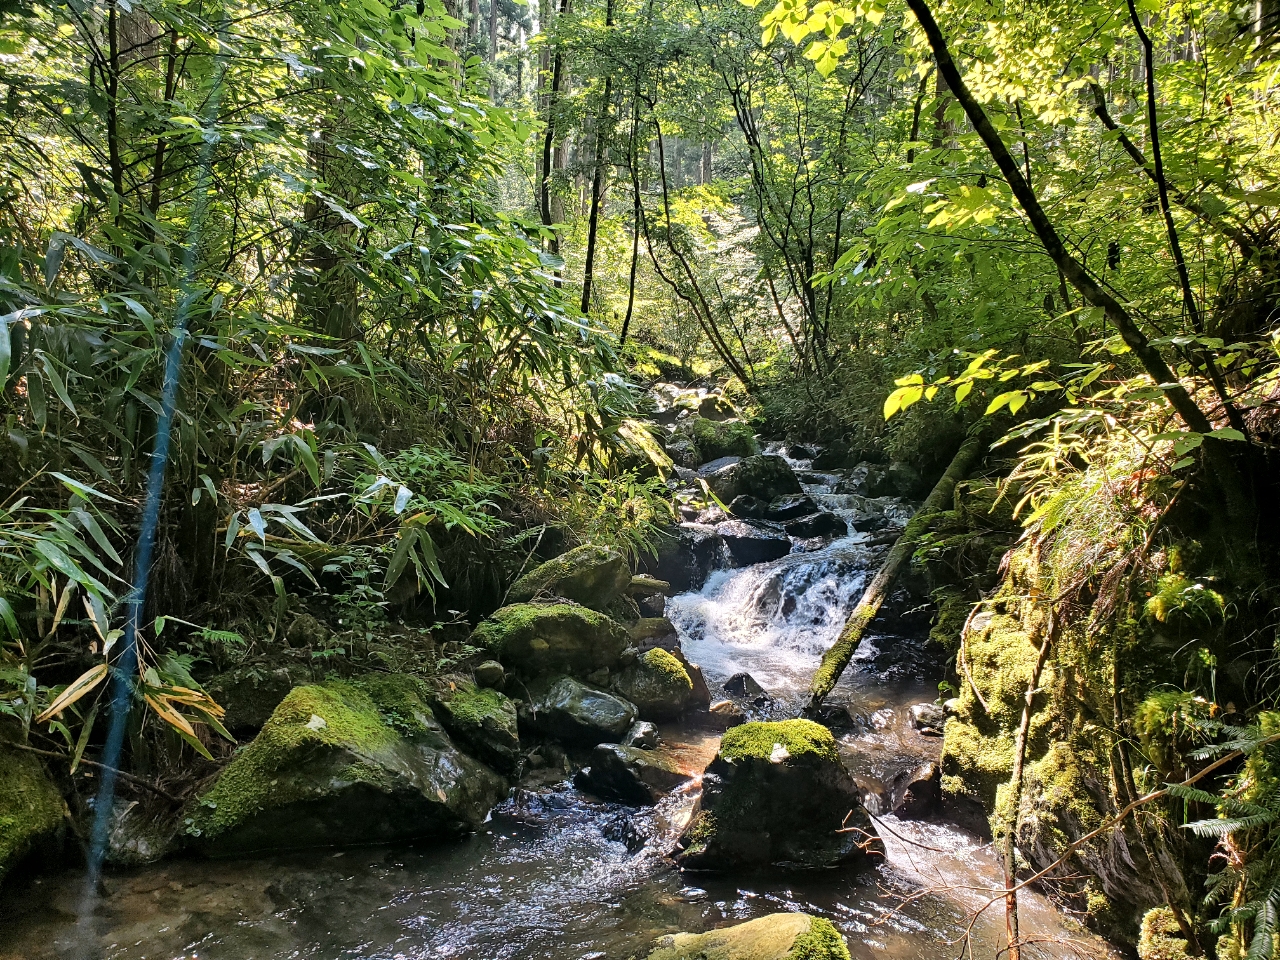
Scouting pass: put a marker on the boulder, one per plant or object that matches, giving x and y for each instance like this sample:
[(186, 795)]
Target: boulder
[(33, 815), (906, 481), (801, 451), (817, 525), (747, 507), (136, 837), (648, 631), (777, 793), (540, 639), (715, 407), (646, 586), (793, 506), (765, 477), (574, 712), (658, 684), (590, 575), (714, 466), (928, 718), (643, 735), (251, 693), (719, 438), (654, 605), (686, 556), (483, 720), (875, 480), (683, 452), (490, 674), (700, 699), (750, 543), (743, 685), (725, 714), (344, 763), (306, 631), (778, 936), (922, 794), (628, 775)]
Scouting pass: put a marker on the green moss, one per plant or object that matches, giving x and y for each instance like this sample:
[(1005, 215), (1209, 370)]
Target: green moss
[(588, 574), (521, 622), (973, 762), (1177, 598), (725, 438), (31, 809), (335, 715), (821, 942), (798, 737), (1160, 938), (953, 610)]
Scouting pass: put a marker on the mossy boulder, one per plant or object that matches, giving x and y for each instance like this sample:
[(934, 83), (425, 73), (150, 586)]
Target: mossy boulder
[(658, 684), (250, 694), (779, 936), (534, 639), (33, 815), (590, 575), (344, 763), (718, 438), (567, 710), (483, 720), (765, 477), (629, 775), (777, 793)]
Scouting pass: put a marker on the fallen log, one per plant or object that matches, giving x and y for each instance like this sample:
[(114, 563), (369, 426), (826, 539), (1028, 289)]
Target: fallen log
[(837, 658)]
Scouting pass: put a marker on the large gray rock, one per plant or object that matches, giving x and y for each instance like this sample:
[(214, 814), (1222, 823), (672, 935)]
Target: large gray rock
[(750, 543), (686, 555), (533, 639), (344, 763), (777, 794), (764, 477), (792, 506), (817, 525), (629, 775), (576, 713), (590, 575)]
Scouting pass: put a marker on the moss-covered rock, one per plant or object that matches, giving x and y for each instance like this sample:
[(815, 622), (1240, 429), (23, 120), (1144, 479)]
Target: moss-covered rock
[(483, 720), (658, 684), (1160, 938), (341, 764), (576, 713), (32, 813), (779, 936), (534, 639), (251, 693), (590, 575), (777, 793), (718, 438), (765, 477)]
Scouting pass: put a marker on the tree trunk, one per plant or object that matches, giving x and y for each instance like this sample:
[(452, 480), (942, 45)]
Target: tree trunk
[(837, 658), (603, 134)]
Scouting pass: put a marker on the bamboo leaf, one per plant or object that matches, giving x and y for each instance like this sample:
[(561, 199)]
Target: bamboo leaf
[(82, 685)]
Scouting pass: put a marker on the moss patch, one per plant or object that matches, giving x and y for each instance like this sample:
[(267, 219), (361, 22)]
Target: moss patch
[(658, 684), (716, 439), (822, 942), (32, 811), (759, 740), (779, 936), (546, 638), (588, 574), (1160, 938)]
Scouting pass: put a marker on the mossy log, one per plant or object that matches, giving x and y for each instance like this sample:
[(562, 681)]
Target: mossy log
[(837, 658)]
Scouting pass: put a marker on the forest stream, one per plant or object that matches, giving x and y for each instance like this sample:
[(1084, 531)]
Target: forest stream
[(556, 874)]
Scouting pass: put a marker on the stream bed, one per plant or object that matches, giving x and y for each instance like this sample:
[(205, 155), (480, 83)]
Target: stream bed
[(556, 875)]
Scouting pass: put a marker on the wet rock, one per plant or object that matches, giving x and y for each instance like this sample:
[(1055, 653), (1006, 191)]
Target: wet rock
[(700, 699), (869, 524), (921, 795), (876, 481), (652, 606), (777, 794), (576, 713), (490, 674), (483, 720), (539, 639), (906, 480), (643, 735), (716, 407), (928, 718), (136, 837), (718, 438), (817, 525), (306, 631), (344, 763), (590, 575), (765, 477), (651, 631), (801, 451), (749, 543), (726, 714), (791, 507), (712, 515), (747, 507), (834, 716), (33, 815), (683, 452), (743, 685), (625, 828), (646, 586), (658, 684), (686, 556), (250, 693), (778, 936), (716, 465), (628, 775)]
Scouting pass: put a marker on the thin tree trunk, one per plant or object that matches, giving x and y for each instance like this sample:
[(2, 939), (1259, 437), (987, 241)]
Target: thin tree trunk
[(548, 141), (493, 50), (636, 212), (603, 132), (837, 658)]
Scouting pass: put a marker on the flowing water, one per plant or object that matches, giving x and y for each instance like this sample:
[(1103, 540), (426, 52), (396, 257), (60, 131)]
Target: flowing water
[(558, 876)]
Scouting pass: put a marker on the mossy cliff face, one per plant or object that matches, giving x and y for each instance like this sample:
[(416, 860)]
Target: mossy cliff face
[(341, 764), (590, 575), (533, 639), (32, 812), (779, 936), (777, 794), (658, 684)]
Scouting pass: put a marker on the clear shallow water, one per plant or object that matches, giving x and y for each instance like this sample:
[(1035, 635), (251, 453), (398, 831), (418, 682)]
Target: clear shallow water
[(556, 876)]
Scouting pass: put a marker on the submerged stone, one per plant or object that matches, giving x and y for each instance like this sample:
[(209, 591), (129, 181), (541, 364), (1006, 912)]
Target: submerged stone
[(344, 763), (590, 575), (658, 684), (778, 936), (538, 639), (574, 712), (32, 813), (777, 793)]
